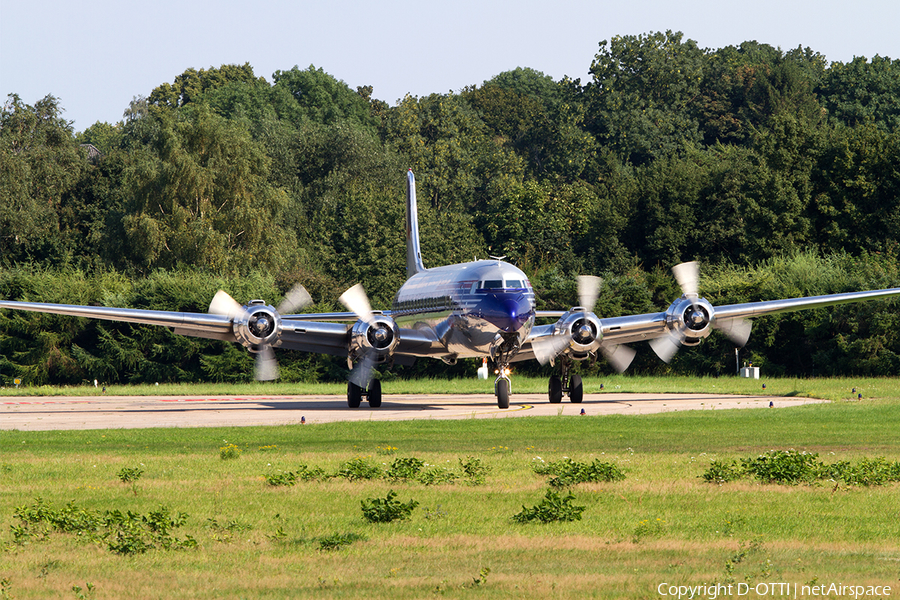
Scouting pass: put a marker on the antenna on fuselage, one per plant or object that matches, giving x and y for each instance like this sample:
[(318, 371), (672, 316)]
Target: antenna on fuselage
[(413, 249)]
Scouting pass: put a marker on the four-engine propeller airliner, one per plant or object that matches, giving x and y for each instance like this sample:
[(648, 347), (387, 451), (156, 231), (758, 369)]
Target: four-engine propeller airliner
[(484, 308)]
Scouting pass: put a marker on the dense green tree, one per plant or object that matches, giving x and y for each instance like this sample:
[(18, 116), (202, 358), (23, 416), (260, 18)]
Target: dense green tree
[(199, 195), (321, 98), (40, 163), (747, 85), (864, 91), (856, 183), (642, 92), (192, 84)]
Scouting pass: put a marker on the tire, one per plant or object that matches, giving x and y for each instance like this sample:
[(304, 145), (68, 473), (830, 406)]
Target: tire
[(576, 389), (502, 393), (556, 392), (354, 395), (374, 394)]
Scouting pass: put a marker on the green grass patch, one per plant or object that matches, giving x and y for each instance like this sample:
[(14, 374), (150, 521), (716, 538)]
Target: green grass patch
[(258, 537)]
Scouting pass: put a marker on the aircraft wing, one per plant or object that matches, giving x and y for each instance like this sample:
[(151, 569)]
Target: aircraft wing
[(636, 328), (192, 324), (313, 332)]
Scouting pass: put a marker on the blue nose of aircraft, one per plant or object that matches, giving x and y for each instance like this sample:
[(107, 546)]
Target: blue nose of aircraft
[(509, 312)]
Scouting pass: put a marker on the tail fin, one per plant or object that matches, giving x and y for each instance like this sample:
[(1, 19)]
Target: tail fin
[(413, 251)]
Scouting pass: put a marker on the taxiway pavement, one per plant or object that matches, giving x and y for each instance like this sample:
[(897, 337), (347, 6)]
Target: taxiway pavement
[(133, 412)]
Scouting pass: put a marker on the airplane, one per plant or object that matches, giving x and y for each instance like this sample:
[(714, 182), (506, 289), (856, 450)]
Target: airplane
[(484, 308)]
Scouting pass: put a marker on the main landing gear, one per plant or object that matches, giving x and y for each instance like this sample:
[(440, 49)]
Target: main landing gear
[(566, 383), (355, 394)]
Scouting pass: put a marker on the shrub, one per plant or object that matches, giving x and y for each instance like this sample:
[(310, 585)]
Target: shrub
[(720, 472), (404, 468), (435, 475), (282, 478), (385, 510), (358, 468), (568, 472), (130, 474), (552, 508), (474, 470), (783, 466)]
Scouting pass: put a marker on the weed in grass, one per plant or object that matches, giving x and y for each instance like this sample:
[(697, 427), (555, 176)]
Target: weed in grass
[(85, 593), (6, 589), (129, 474), (358, 468), (474, 471), (124, 533), (437, 475), (305, 473), (434, 514), (281, 478), (567, 472), (279, 536), (337, 541), (230, 452), (552, 508), (269, 448), (385, 510), (386, 450), (792, 467), (225, 532), (482, 577), (404, 469), (648, 528)]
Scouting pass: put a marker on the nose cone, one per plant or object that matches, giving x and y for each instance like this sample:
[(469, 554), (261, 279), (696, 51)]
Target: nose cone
[(508, 312)]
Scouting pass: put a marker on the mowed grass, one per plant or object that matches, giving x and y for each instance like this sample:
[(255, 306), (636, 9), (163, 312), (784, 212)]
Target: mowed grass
[(662, 524)]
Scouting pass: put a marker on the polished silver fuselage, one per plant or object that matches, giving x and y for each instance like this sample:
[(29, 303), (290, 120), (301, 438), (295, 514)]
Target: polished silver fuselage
[(470, 307)]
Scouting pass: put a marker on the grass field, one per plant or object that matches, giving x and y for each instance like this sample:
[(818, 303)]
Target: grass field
[(661, 525)]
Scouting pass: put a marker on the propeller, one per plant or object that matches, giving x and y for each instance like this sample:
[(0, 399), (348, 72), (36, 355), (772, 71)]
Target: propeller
[(548, 347), (357, 302), (266, 366), (688, 277)]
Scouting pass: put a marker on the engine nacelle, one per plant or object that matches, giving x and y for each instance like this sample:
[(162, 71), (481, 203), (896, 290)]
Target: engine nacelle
[(259, 325), (692, 318), (380, 336), (584, 331)]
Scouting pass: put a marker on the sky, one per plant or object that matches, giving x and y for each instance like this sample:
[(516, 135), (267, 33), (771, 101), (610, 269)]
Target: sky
[(95, 56)]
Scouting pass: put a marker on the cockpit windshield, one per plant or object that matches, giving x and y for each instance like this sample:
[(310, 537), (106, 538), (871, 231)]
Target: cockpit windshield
[(500, 284)]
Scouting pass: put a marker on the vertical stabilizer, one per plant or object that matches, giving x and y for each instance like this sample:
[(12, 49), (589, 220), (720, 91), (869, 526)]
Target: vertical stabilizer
[(413, 251)]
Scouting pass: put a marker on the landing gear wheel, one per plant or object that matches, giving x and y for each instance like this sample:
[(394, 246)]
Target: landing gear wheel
[(502, 390), (354, 395), (556, 391), (374, 393), (576, 389)]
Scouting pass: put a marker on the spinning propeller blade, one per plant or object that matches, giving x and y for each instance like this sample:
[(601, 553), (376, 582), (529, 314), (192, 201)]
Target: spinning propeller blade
[(357, 302), (588, 290), (619, 356), (294, 300), (225, 305)]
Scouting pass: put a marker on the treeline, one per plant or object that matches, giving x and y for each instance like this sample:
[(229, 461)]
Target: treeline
[(745, 157)]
